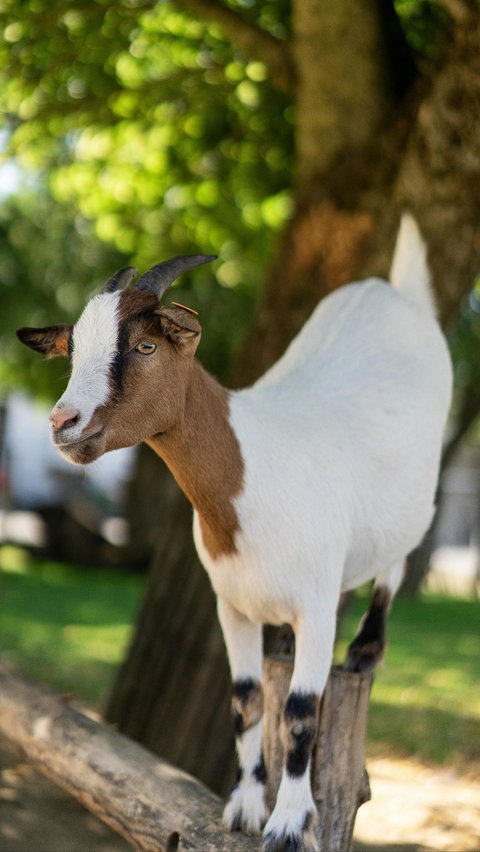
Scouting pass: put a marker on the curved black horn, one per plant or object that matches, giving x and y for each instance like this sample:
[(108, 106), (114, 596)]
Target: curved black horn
[(120, 279), (159, 277)]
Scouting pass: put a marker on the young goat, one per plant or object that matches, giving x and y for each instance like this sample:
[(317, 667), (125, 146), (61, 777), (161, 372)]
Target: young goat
[(318, 478)]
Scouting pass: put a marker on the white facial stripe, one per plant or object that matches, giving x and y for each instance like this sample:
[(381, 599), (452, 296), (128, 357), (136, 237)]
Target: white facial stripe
[(94, 348)]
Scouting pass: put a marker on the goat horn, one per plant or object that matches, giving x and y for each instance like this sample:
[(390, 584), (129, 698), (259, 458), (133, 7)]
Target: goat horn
[(159, 277), (120, 279)]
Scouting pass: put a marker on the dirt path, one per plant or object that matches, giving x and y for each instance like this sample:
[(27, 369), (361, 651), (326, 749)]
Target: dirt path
[(414, 809)]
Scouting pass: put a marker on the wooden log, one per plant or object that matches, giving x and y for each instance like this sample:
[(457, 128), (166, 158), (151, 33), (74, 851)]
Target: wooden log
[(159, 808), (339, 778), (152, 804)]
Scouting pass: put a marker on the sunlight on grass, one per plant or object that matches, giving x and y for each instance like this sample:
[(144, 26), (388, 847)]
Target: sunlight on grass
[(425, 698), (65, 626)]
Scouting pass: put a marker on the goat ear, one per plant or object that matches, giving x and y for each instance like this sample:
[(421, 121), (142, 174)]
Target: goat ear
[(54, 341), (180, 325)]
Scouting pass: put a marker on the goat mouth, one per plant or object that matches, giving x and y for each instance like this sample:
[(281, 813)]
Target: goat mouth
[(66, 445)]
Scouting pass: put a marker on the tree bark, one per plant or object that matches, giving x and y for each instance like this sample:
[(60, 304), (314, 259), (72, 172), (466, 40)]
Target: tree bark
[(172, 692), (152, 497)]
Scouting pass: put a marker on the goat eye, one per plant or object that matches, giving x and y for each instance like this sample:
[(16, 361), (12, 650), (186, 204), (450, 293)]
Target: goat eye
[(145, 348)]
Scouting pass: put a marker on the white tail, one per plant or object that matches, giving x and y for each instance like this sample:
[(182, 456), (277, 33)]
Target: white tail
[(409, 273)]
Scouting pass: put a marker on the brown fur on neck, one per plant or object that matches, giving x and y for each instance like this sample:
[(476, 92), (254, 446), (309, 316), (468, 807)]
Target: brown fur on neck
[(203, 453)]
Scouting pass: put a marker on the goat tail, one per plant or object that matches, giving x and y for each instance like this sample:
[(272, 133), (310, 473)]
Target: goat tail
[(409, 273)]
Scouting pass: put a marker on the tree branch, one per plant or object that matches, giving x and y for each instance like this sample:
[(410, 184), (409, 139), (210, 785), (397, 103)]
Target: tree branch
[(249, 38)]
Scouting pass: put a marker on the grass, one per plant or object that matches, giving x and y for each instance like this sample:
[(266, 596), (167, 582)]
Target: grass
[(426, 696), (65, 626), (69, 628)]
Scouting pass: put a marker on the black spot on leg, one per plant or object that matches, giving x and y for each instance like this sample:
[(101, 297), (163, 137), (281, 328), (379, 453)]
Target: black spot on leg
[(241, 689), (247, 704), (300, 705), (260, 772), (366, 649), (307, 821), (297, 757), (238, 725), (300, 721)]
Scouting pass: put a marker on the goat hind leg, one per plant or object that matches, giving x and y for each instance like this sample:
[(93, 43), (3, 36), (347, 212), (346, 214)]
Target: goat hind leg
[(246, 807), (368, 646)]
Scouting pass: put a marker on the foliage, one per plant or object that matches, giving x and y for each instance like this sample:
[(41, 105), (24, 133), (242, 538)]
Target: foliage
[(425, 25), (43, 280), (149, 124), (152, 127)]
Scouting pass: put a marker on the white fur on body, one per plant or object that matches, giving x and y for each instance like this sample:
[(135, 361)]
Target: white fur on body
[(341, 455), (341, 443)]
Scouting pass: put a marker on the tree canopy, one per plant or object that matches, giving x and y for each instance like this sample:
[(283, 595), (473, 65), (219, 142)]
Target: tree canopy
[(147, 124), (154, 129)]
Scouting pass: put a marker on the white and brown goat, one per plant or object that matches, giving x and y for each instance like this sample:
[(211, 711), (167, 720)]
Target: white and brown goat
[(318, 478)]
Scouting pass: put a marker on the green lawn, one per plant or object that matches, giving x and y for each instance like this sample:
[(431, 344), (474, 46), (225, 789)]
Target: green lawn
[(69, 628), (65, 626), (426, 695)]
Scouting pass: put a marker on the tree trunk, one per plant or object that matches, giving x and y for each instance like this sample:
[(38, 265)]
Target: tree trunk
[(172, 692), (152, 496)]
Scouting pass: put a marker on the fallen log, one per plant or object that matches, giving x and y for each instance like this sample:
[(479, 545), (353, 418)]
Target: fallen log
[(153, 805)]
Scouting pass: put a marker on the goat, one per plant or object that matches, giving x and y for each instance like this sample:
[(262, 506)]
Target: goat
[(318, 478)]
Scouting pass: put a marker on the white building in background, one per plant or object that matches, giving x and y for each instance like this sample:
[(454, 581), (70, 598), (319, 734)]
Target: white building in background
[(39, 476)]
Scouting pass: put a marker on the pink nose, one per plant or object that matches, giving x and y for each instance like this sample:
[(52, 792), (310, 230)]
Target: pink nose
[(62, 418)]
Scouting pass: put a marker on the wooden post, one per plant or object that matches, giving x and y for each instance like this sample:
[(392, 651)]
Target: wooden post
[(339, 778)]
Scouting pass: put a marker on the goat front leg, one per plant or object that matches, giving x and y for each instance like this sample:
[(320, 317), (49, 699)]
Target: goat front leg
[(246, 808), (291, 827)]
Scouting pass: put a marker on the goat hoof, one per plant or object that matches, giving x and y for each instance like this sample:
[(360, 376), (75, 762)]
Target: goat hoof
[(286, 838), (246, 810), (364, 658)]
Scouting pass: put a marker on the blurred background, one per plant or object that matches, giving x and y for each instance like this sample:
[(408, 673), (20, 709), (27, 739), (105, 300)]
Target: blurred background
[(285, 137)]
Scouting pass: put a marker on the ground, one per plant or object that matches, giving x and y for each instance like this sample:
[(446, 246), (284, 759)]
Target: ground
[(414, 809)]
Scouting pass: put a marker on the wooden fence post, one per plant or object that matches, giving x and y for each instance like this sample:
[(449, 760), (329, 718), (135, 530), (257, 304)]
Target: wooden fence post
[(339, 778)]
